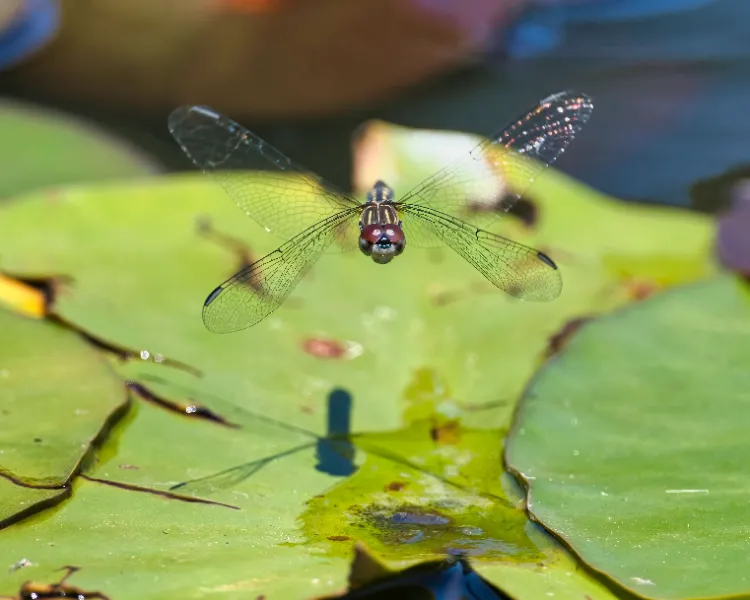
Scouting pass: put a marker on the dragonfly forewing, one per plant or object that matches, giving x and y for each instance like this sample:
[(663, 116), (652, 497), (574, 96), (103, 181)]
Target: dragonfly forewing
[(256, 291), (485, 183), (519, 270), (280, 195)]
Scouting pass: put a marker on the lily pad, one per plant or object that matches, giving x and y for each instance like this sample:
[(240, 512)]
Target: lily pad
[(260, 549), (139, 246), (632, 442), (366, 377), (58, 395), (42, 148)]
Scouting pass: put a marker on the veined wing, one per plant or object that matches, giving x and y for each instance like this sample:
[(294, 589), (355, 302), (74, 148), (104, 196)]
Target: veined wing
[(503, 167), (516, 269), (258, 290), (282, 196)]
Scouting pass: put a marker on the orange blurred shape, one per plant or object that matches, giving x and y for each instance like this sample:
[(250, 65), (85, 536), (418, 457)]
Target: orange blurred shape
[(251, 6), (21, 298)]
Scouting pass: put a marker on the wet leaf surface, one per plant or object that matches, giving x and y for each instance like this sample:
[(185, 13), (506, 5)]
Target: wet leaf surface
[(58, 394), (633, 440)]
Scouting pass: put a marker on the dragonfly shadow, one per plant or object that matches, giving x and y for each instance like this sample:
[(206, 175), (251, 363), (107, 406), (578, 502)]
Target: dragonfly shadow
[(335, 452), (235, 475)]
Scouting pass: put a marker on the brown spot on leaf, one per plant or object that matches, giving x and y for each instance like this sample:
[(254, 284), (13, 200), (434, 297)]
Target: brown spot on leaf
[(448, 432), (339, 538), (558, 341), (640, 289), (53, 196), (396, 486), (324, 348)]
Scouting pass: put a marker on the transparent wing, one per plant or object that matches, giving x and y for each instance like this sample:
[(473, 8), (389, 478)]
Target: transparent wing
[(520, 271), (258, 290), (280, 195), (233, 476), (501, 168)]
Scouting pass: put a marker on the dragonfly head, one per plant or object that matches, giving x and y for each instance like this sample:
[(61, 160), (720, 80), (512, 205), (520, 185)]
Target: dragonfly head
[(382, 242)]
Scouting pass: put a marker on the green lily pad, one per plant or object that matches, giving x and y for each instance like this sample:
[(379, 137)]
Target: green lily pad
[(42, 148), (632, 442), (138, 246), (180, 548), (429, 357), (58, 395)]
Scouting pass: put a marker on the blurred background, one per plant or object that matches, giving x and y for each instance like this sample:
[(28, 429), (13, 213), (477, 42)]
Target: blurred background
[(670, 78)]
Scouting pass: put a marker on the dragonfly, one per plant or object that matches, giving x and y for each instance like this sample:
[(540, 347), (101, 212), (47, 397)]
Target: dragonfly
[(317, 217)]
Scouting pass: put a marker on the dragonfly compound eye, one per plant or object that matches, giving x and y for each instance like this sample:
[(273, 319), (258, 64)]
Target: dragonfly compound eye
[(368, 237), (395, 236)]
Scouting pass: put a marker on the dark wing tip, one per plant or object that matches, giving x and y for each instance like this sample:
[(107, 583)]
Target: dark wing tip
[(541, 281), (209, 315), (213, 295), (541, 256), (218, 318)]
